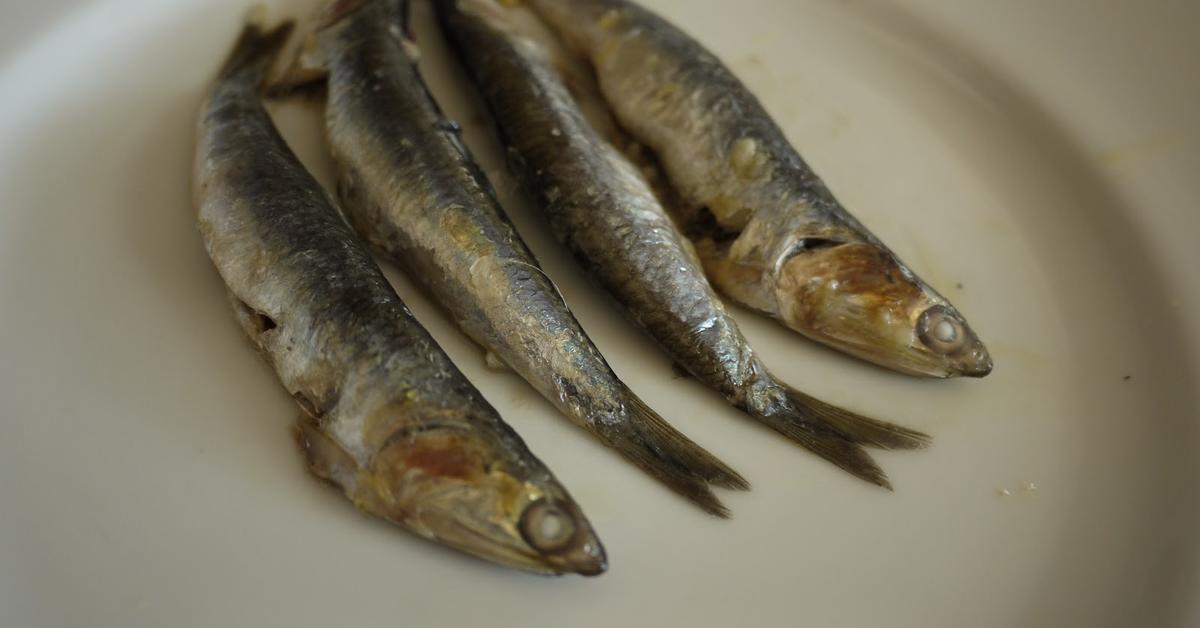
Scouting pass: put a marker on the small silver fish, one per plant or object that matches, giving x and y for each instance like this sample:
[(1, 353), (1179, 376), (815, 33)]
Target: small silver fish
[(410, 187), (386, 415), (602, 208), (770, 233)]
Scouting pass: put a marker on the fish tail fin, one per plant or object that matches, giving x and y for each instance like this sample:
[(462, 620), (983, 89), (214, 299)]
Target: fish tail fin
[(675, 460), (860, 429), (838, 435), (257, 45), (682, 449), (830, 445)]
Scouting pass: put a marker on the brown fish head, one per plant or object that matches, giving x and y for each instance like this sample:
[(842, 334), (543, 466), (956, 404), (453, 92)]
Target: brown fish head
[(856, 297), (459, 487)]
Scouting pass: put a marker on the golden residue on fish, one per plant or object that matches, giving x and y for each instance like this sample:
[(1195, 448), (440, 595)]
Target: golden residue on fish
[(816, 278), (747, 161), (511, 493), (730, 213), (611, 18), (666, 91), (464, 232)]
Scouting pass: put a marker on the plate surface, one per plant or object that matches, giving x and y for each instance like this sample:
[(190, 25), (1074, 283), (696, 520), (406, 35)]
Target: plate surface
[(1035, 161)]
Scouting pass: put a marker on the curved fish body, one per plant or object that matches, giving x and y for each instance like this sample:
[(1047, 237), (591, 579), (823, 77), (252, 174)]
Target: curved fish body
[(410, 187), (603, 209), (771, 235), (386, 416)]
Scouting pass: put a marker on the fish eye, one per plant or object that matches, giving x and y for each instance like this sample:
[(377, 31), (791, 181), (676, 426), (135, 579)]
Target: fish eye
[(940, 330), (547, 527)]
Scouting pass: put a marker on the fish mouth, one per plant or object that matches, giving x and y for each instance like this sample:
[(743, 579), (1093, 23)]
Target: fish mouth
[(980, 367), (943, 332)]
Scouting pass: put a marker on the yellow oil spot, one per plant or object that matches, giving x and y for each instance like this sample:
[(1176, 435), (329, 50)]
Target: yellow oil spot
[(611, 18), (1133, 153), (410, 394), (666, 91), (728, 211), (747, 161), (459, 227), (509, 493)]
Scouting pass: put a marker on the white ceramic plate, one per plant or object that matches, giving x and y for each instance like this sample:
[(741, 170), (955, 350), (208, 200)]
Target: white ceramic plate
[(1036, 161)]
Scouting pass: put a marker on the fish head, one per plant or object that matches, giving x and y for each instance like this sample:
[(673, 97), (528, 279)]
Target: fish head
[(855, 296), (467, 490)]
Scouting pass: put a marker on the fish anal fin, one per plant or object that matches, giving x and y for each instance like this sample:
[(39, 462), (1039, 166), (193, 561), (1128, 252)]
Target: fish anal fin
[(325, 458)]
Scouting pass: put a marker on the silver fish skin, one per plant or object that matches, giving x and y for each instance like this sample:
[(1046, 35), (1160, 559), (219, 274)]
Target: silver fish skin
[(412, 190), (598, 203), (386, 416), (770, 233)]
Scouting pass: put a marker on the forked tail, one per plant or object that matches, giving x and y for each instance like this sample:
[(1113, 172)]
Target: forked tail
[(860, 429), (835, 434), (675, 460)]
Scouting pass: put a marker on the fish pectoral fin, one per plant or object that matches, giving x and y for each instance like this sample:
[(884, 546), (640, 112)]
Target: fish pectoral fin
[(494, 363), (738, 279), (325, 458), (680, 371)]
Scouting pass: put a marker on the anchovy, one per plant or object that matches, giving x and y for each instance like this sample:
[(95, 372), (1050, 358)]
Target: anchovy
[(599, 204), (770, 233), (386, 416), (412, 190)]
